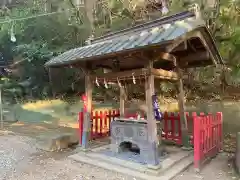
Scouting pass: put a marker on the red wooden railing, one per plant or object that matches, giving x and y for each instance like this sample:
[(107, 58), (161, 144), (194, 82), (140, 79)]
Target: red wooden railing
[(100, 126), (101, 123), (172, 127), (208, 137), (205, 131)]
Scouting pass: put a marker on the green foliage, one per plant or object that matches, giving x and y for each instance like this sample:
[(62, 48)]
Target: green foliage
[(38, 40), (41, 38)]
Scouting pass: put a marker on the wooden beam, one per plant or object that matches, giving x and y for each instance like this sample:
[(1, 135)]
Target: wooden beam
[(164, 74), (87, 113), (152, 125), (138, 73), (120, 74), (209, 49), (197, 56), (190, 35)]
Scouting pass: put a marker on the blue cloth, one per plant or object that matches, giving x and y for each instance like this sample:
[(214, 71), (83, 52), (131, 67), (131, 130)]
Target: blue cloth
[(156, 109)]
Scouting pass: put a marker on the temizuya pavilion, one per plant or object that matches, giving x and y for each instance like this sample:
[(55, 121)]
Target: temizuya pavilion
[(159, 49)]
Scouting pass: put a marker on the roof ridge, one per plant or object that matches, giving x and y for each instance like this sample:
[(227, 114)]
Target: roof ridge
[(144, 26)]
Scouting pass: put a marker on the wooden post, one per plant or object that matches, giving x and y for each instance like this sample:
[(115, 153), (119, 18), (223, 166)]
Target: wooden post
[(87, 115), (51, 81), (151, 125), (122, 101), (182, 109), (1, 108)]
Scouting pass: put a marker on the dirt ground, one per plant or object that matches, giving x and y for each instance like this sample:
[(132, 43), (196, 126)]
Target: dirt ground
[(20, 160), (219, 168)]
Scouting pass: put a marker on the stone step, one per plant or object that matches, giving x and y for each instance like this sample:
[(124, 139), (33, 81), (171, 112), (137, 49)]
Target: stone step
[(164, 166), (118, 162), (82, 157), (176, 169), (174, 160)]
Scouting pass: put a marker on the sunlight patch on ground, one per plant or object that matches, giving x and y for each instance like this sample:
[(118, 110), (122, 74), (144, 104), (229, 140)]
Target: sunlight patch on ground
[(69, 125), (18, 124), (38, 127), (55, 112), (42, 104)]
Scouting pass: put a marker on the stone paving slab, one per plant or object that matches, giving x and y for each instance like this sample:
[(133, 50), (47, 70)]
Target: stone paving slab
[(170, 167)]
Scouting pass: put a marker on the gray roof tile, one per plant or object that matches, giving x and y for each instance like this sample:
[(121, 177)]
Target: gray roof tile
[(153, 35)]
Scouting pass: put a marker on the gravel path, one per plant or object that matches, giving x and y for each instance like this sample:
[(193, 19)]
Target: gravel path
[(20, 160), (220, 168)]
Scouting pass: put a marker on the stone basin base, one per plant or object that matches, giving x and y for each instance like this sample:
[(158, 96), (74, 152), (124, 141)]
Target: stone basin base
[(174, 162), (128, 132)]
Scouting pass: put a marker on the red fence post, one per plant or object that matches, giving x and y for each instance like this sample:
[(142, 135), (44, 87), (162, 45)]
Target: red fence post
[(96, 127), (92, 125), (212, 135), (84, 99), (172, 130), (106, 124), (194, 115), (80, 123), (197, 141), (179, 129), (101, 118), (166, 117), (109, 121)]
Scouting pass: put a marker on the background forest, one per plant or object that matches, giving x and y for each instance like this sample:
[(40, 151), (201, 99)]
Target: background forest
[(58, 25)]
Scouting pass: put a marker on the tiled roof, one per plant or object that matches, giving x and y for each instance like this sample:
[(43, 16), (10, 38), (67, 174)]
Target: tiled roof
[(151, 34)]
